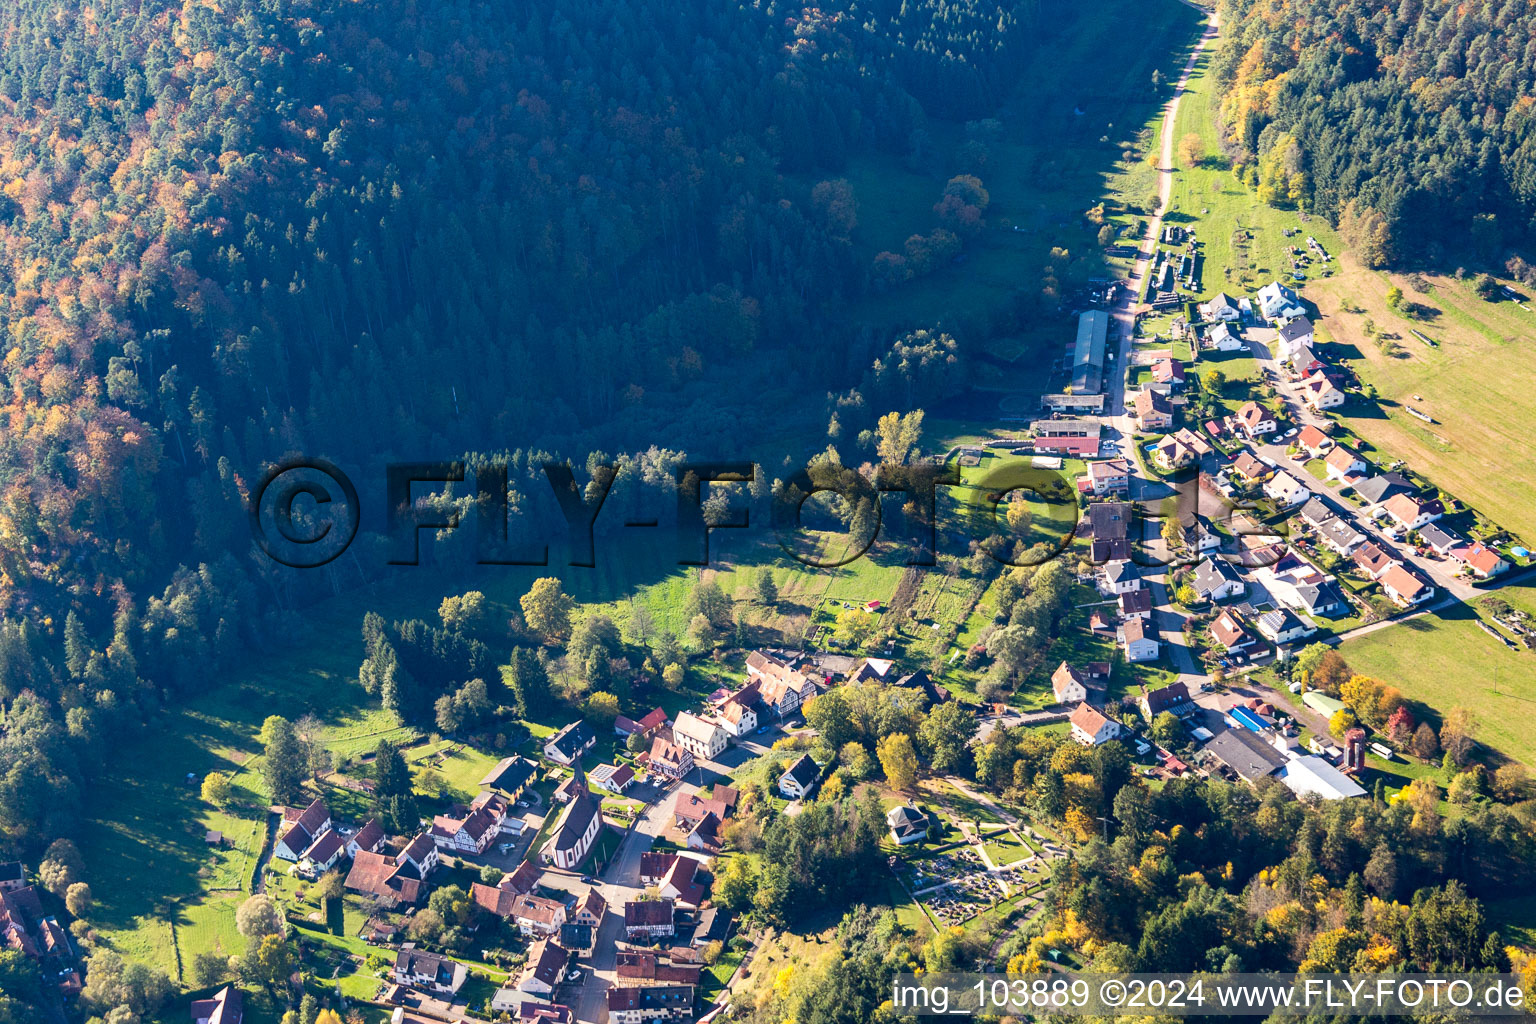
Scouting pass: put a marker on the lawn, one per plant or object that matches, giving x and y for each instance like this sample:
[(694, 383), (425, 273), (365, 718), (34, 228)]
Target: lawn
[(1003, 849), (1445, 660)]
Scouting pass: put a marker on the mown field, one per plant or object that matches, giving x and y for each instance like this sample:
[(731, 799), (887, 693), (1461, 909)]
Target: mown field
[(1446, 660)]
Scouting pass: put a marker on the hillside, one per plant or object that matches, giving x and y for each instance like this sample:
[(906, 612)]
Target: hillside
[(1411, 123), (233, 232)]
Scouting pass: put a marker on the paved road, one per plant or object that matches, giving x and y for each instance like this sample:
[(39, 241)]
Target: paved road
[(1168, 622), (1125, 311), (618, 884)]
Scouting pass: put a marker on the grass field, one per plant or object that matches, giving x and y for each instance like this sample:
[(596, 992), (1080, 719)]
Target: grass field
[(1479, 385), (1445, 660), (1237, 232)]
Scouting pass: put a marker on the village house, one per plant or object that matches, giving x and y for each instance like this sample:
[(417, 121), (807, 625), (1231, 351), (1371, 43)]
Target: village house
[(656, 969), (1299, 586), (1314, 441), (797, 781), (1216, 579), (590, 909), (1294, 336), (668, 759), (1172, 454), (1222, 308), (1439, 539), (613, 778), (782, 688), (573, 740), (1168, 372), (393, 880), (1286, 489), (1483, 561), (1250, 467), (510, 777), (871, 670), (1410, 513), (1374, 490), (324, 853), (1341, 464), (1224, 337), (544, 968), (1370, 559), (1122, 577), (472, 829), (704, 834), (535, 915), (1230, 631), (1256, 421), (654, 721), (427, 972), (682, 884), (1152, 410), (640, 1005), (300, 833), (13, 876), (1340, 537), (226, 1006), (1278, 302), (738, 715), (648, 920), (1282, 627), (370, 837), (1068, 435), (1109, 524), (1137, 604), (1193, 441), (1107, 478), (689, 809), (1315, 512), (1139, 640), (1405, 587), (27, 929), (1173, 698), (654, 866), (700, 737), (1071, 685), (1091, 726), (1320, 392)]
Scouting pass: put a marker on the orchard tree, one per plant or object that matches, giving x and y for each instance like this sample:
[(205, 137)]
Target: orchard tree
[(260, 915), (216, 788)]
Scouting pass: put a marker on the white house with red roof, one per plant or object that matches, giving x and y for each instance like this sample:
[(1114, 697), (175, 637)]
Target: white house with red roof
[(1091, 727)]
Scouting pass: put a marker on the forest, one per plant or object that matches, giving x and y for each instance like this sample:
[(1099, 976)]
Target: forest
[(370, 232), (1411, 125)]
